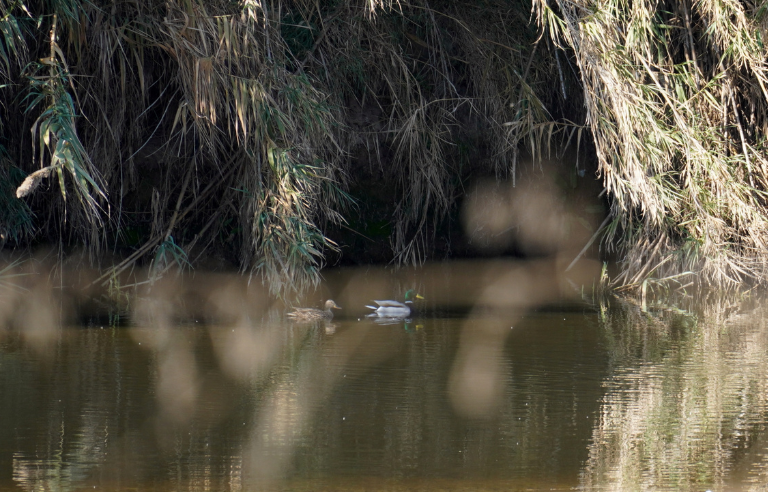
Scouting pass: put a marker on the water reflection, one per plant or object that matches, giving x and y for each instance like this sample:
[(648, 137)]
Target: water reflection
[(490, 389), (685, 406)]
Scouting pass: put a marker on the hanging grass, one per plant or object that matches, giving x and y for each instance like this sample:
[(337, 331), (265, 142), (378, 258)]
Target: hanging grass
[(675, 95), (162, 130)]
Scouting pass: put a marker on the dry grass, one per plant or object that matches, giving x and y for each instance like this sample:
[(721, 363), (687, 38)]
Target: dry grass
[(676, 99), (184, 90), (185, 126)]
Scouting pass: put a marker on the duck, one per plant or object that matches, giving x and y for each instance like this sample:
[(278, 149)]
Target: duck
[(395, 309), (310, 314)]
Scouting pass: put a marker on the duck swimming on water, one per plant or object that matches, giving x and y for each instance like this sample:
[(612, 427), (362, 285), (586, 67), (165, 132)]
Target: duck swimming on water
[(395, 309), (309, 314)]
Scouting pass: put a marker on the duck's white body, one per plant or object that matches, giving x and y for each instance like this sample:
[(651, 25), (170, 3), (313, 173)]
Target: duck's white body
[(391, 309)]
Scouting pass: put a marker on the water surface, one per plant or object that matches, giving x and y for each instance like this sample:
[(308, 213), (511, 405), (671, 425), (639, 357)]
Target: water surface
[(558, 396)]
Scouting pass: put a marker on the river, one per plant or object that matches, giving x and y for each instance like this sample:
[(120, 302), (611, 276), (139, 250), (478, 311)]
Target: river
[(506, 378)]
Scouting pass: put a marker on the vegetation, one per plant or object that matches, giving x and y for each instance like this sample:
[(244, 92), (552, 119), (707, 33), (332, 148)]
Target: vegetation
[(238, 126), (675, 95), (161, 130)]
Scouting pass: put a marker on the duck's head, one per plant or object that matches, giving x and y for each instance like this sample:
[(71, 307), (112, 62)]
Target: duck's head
[(411, 294), (330, 304)]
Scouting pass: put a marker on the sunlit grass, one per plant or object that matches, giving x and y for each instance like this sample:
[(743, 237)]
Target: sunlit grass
[(676, 102)]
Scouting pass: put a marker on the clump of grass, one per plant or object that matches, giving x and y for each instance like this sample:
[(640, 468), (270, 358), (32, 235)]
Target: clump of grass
[(676, 101), (58, 143), (185, 86), (167, 255)]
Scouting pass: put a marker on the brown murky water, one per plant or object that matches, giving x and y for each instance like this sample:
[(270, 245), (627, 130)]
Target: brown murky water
[(489, 396)]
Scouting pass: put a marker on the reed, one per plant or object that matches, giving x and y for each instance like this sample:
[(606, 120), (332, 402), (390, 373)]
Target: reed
[(180, 127), (675, 95)]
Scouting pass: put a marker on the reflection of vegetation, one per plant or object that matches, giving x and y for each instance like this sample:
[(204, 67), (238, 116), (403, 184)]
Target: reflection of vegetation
[(682, 400)]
